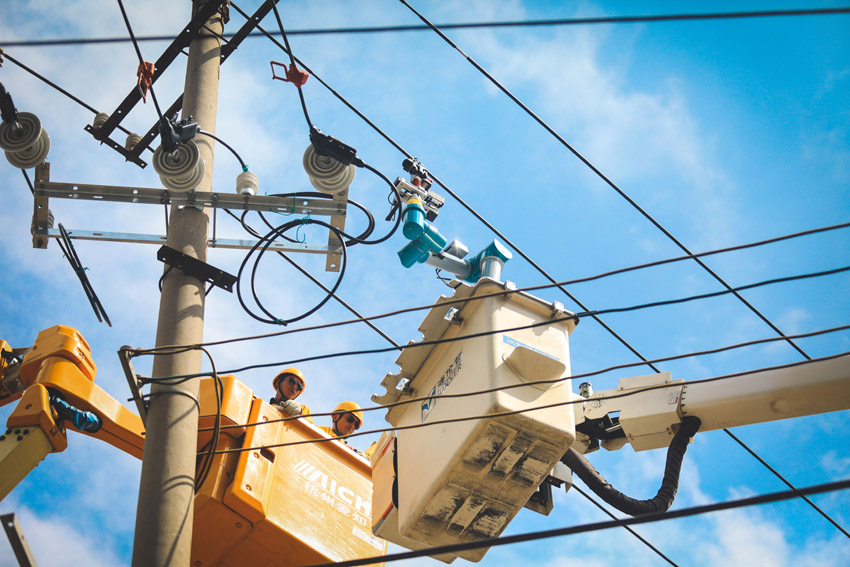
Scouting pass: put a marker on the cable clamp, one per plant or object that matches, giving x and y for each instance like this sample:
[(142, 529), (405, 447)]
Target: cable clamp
[(145, 74), (294, 75)]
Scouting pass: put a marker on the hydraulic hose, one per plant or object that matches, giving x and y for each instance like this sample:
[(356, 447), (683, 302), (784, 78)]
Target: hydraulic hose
[(669, 485)]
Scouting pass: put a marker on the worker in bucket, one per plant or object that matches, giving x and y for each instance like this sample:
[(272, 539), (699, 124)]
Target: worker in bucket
[(288, 385), (347, 418)]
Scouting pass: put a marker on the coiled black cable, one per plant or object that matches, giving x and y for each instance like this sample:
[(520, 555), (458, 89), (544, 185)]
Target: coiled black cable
[(662, 501), (263, 245)]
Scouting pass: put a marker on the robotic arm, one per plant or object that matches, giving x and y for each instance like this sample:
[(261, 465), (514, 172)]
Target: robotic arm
[(54, 381)]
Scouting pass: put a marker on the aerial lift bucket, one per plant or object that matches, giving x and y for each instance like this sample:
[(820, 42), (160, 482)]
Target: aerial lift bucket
[(279, 499), (466, 465)]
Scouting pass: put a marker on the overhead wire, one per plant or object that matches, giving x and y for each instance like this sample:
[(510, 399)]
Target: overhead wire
[(580, 376), (263, 245), (507, 292), (571, 316), (139, 54), (599, 173), (638, 19), (205, 459), (598, 526), (292, 62), (50, 83), (611, 184), (789, 485), (508, 413), (629, 529), (312, 278)]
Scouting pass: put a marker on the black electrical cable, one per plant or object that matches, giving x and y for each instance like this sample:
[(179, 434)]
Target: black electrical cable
[(29, 183), (523, 327), (566, 403), (292, 62), (663, 500), (395, 210), (694, 354), (602, 176), (223, 143), (70, 253), (598, 526), (162, 277), (205, 460), (464, 25), (788, 484), (139, 54), (312, 278), (629, 529), (717, 293), (370, 219), (531, 288), (263, 245)]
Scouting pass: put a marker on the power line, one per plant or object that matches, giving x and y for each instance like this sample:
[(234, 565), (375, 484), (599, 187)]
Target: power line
[(47, 81), (789, 485), (587, 528), (582, 375), (618, 190), (629, 529), (498, 331), (599, 173), (466, 25), (525, 289)]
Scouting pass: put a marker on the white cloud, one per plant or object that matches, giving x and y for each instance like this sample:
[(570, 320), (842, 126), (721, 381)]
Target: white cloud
[(837, 466)]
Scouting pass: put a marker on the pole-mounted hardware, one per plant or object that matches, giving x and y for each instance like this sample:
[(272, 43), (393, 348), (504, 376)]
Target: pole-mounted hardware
[(196, 268)]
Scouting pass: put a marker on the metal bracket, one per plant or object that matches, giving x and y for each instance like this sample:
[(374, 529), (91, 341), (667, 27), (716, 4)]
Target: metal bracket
[(41, 210), (125, 355), (196, 268), (337, 221), (180, 42)]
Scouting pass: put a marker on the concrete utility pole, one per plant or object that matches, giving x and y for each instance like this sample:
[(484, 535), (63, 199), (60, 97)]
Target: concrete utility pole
[(166, 492)]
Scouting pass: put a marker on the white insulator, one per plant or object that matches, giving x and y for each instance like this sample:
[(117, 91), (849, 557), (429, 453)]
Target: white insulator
[(50, 220), (181, 170), (99, 120), (32, 155), (327, 174), (247, 183), (21, 133), (26, 143), (132, 141)]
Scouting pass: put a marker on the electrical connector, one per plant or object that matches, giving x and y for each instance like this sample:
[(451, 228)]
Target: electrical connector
[(173, 132), (329, 146)]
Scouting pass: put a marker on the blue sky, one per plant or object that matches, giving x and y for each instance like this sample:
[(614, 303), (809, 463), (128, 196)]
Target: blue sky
[(726, 132)]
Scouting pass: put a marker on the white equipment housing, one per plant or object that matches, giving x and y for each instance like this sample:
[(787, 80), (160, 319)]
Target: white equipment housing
[(656, 404), (465, 480)]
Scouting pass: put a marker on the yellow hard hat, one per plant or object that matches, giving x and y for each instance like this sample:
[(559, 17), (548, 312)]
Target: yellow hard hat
[(348, 407), (289, 372)]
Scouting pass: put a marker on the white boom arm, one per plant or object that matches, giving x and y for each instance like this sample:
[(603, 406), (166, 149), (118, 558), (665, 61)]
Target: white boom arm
[(650, 406)]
